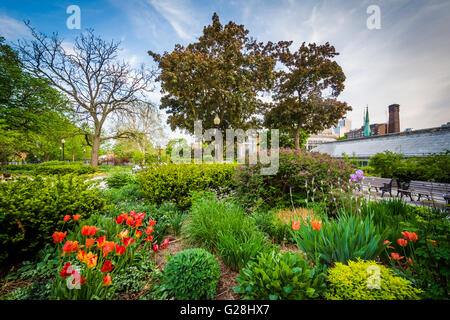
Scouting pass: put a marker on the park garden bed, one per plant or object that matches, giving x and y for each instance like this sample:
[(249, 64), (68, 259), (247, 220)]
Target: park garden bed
[(315, 237)]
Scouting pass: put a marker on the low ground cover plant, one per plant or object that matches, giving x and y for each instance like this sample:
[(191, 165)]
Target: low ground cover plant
[(191, 274), (279, 276), (368, 280)]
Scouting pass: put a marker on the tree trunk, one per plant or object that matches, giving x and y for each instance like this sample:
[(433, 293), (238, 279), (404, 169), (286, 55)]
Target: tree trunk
[(297, 138), (94, 152), (46, 156)]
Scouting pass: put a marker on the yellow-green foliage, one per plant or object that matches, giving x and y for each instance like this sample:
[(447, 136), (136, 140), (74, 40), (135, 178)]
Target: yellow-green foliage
[(350, 282)]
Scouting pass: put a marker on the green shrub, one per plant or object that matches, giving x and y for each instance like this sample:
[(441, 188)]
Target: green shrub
[(127, 193), (119, 180), (31, 210), (435, 167), (223, 226), (191, 274), (277, 276), (77, 169), (305, 175), (174, 182), (357, 281), (342, 239)]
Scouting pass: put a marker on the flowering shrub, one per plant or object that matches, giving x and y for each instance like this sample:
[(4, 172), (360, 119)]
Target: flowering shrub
[(90, 258), (277, 276), (368, 280), (189, 275), (308, 175)]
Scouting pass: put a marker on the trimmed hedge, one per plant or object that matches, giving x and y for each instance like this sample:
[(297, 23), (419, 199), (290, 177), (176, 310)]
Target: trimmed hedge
[(52, 168), (31, 210), (174, 182)]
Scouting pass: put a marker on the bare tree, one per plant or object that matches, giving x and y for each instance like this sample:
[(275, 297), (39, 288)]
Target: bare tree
[(94, 80), (144, 126)]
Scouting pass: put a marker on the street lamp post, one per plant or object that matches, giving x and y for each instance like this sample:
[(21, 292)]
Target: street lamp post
[(84, 157), (216, 123), (63, 141), (60, 149)]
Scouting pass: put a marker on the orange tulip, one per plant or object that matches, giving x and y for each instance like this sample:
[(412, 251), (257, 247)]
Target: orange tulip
[(138, 234), (316, 225), (101, 242), (123, 234), (76, 217), (66, 218), (296, 225), (409, 260), (149, 230), (386, 242), (58, 236), (89, 230), (107, 280), (151, 222), (402, 242)]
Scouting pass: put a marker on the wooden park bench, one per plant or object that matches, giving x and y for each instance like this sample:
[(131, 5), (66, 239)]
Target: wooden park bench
[(380, 184), (430, 190)]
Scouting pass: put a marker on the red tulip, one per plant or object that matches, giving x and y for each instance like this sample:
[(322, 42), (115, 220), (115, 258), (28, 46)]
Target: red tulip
[(67, 270), (155, 248), (120, 250), (128, 241), (411, 236), (107, 266), (66, 218), (396, 256), (58, 236), (70, 247), (76, 217), (165, 243)]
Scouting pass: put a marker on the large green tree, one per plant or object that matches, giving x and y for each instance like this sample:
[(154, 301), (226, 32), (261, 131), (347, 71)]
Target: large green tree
[(308, 83), (221, 74), (24, 99)]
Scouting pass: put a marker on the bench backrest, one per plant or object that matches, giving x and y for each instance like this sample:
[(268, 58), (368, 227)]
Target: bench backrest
[(375, 181), (437, 190)]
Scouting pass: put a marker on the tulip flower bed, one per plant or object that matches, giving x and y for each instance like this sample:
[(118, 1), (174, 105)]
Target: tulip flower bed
[(89, 257)]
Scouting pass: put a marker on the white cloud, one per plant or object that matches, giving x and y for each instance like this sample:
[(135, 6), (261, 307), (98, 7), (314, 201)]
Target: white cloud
[(179, 15), (12, 29)]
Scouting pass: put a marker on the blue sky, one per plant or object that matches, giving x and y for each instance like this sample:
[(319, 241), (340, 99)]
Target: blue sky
[(407, 61)]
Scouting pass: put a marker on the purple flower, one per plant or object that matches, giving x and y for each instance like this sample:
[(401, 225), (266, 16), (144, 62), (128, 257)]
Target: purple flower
[(250, 209), (353, 178), (359, 174)]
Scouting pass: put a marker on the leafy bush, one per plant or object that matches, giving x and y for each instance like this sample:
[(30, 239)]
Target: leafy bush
[(119, 180), (305, 175), (277, 276), (191, 274), (352, 282), (174, 182), (341, 240), (432, 168), (225, 227), (30, 210)]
